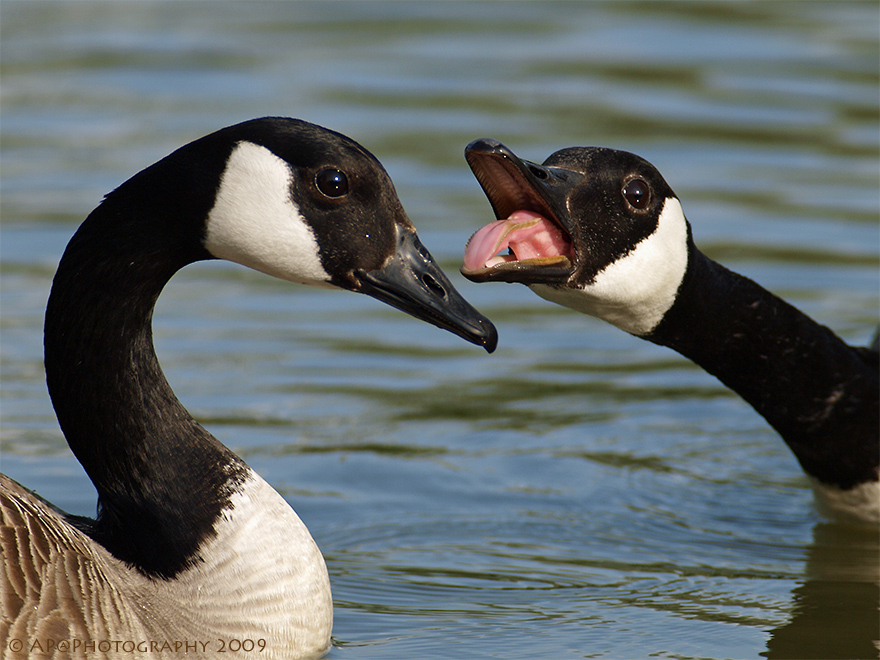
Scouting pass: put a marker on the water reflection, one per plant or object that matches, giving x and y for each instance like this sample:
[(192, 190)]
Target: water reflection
[(835, 609)]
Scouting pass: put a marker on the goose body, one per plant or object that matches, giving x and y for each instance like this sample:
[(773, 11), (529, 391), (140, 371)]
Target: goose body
[(190, 544), (601, 232)]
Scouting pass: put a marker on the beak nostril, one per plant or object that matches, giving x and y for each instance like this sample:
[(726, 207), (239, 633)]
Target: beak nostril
[(538, 172), (435, 287)]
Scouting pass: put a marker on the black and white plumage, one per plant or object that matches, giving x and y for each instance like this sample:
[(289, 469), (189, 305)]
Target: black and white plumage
[(601, 232), (189, 542)]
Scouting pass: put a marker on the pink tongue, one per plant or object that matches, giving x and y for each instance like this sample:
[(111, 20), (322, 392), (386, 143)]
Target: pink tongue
[(528, 234)]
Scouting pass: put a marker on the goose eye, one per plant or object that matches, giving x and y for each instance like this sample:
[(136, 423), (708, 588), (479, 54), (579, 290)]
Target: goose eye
[(637, 193), (332, 182)]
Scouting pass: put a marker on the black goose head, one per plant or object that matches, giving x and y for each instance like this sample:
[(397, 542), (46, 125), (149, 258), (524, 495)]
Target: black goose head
[(591, 228), (282, 196), (310, 205)]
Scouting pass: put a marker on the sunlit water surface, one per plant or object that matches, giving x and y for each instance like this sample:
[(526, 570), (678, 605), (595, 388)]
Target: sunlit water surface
[(580, 493)]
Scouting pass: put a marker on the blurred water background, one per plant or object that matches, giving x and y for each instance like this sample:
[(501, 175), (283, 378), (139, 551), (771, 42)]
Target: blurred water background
[(578, 494)]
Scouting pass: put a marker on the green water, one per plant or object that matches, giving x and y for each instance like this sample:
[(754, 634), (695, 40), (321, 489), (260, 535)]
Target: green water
[(578, 494)]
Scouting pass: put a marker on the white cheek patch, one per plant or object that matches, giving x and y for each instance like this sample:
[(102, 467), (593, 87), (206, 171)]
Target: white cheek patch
[(255, 222), (634, 292)]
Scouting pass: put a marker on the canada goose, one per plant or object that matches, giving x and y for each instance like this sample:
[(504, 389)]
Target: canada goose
[(191, 546), (601, 232)]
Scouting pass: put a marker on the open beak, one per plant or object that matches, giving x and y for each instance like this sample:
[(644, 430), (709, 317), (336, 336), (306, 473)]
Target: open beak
[(412, 282), (529, 202)]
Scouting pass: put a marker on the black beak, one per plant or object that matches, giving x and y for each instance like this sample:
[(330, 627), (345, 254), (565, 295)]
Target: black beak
[(412, 282), (511, 183)]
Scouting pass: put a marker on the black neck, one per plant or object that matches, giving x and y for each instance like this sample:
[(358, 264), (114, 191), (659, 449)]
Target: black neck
[(162, 480), (820, 394)]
